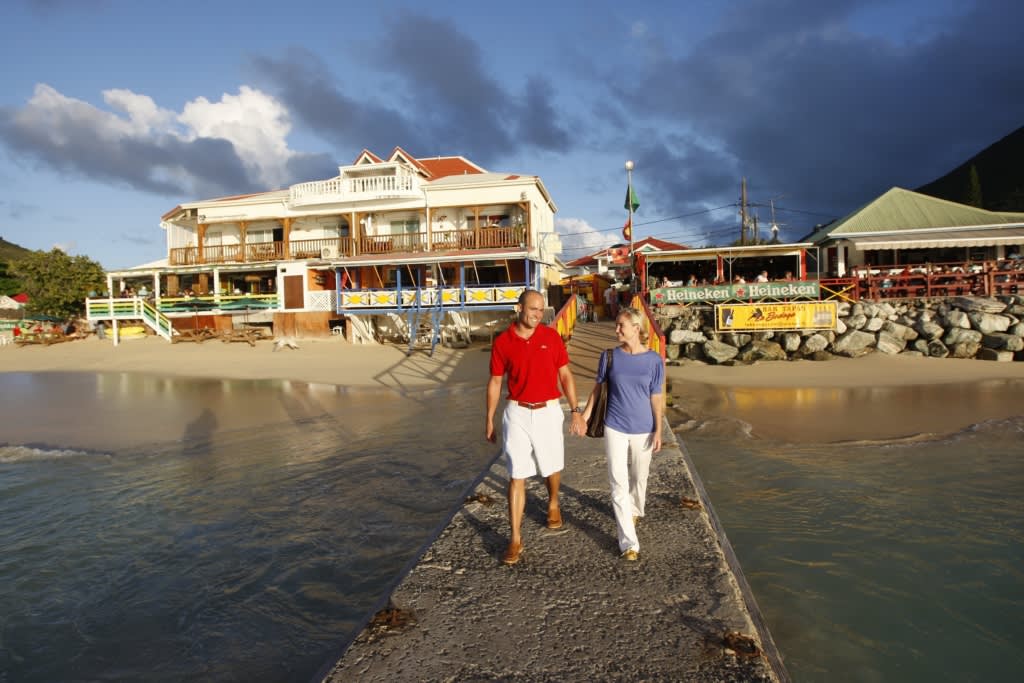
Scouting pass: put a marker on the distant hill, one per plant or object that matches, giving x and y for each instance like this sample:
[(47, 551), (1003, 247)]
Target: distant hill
[(10, 252), (1000, 177)]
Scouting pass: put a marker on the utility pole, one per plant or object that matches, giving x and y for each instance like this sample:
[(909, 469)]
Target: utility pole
[(743, 212)]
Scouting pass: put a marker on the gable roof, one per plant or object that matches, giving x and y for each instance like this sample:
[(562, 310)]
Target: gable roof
[(899, 210), (646, 245), (431, 167)]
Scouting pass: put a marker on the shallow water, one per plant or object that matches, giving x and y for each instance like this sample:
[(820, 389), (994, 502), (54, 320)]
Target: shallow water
[(169, 529), (216, 546), (879, 561)]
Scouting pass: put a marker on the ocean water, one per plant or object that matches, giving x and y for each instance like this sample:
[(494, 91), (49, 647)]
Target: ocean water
[(214, 547), (166, 529), (879, 561)]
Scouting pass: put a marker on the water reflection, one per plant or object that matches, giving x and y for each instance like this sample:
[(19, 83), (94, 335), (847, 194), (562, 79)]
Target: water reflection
[(816, 414), (222, 516)]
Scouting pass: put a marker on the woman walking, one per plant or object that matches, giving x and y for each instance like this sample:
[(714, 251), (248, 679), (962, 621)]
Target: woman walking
[(633, 421)]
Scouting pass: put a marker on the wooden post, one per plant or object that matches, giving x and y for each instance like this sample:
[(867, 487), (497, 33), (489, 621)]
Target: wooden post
[(286, 238), (243, 229), (200, 238)]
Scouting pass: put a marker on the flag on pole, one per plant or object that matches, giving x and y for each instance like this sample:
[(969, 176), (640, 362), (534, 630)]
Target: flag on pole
[(631, 200), (627, 230)]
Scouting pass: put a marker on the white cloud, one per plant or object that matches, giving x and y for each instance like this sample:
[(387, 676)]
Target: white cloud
[(579, 238), (66, 247), (144, 116), (254, 122), (256, 125)]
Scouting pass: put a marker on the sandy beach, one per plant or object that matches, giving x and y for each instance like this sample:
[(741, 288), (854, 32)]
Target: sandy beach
[(873, 397)]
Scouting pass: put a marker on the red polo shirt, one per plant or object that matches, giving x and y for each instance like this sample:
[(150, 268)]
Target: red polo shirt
[(532, 364)]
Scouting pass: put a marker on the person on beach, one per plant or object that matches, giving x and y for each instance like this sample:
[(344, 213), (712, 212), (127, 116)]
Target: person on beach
[(611, 301), (536, 362), (632, 425)]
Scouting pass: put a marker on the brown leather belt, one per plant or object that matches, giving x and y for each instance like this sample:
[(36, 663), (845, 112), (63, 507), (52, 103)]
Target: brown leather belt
[(532, 406)]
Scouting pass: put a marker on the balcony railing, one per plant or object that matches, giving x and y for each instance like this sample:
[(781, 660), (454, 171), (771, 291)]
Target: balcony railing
[(347, 247), (403, 183)]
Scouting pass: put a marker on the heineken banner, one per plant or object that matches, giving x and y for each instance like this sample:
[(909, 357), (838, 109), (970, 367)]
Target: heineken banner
[(803, 315), (802, 289)]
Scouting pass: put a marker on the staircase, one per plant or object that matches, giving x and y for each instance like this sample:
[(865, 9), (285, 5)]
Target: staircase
[(129, 309), (423, 322)]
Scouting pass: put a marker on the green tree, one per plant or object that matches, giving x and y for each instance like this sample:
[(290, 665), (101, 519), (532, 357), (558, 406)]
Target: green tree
[(9, 285), (974, 188), (57, 284)]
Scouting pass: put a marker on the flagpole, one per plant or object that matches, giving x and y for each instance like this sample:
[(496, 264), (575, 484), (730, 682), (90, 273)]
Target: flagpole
[(629, 201)]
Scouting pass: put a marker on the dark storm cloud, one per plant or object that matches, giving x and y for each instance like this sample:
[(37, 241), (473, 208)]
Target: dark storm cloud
[(447, 103), (301, 167), (74, 145), (311, 94), (804, 106)]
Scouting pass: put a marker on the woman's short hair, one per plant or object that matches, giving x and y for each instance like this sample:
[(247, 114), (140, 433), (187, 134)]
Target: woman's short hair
[(637, 319)]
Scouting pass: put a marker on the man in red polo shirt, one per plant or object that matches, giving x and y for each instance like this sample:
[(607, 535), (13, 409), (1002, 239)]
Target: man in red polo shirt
[(536, 362)]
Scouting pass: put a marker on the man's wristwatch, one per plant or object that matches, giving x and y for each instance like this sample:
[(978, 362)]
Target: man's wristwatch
[(577, 409)]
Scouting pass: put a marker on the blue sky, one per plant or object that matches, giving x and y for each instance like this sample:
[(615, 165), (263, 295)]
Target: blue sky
[(113, 112)]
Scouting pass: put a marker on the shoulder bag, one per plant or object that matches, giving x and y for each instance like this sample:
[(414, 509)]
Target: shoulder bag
[(595, 425)]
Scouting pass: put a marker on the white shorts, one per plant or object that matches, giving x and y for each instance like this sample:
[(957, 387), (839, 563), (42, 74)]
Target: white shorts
[(533, 439)]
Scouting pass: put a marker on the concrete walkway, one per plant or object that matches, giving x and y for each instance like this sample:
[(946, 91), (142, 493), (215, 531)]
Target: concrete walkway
[(571, 609)]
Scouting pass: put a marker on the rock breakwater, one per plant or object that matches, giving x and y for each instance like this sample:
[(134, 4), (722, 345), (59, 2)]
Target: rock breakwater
[(986, 328)]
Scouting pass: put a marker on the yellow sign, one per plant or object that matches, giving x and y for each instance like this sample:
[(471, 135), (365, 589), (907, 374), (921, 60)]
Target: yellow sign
[(791, 316)]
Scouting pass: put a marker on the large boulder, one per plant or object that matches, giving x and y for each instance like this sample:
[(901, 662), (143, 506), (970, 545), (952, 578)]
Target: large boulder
[(964, 349), (1002, 342), (719, 352), (978, 304), (857, 320), (812, 344), (929, 330), (957, 318), (987, 323), (685, 336), (890, 344), (992, 354), (897, 330), (790, 341), (958, 335), (937, 349), (852, 343), (761, 349)]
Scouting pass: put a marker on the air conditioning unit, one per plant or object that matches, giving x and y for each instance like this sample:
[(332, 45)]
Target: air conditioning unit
[(329, 252)]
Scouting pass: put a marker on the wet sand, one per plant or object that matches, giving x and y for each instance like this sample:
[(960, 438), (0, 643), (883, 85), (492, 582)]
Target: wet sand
[(873, 397)]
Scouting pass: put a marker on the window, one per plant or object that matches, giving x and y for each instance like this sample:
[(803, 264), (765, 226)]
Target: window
[(404, 227)]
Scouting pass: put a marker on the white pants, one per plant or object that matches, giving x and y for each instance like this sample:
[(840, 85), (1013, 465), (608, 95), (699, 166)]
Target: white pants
[(629, 461)]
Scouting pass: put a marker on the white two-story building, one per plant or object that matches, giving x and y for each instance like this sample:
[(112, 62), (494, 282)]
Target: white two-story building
[(388, 246)]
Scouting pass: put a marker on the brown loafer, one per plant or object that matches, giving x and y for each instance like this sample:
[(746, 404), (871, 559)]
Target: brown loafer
[(512, 553), (555, 519)]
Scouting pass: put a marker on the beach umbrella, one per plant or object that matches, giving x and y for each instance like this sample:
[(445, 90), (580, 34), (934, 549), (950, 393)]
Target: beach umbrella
[(246, 304)]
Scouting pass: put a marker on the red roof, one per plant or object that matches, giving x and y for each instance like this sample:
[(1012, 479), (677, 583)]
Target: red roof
[(21, 298), (432, 167), (614, 251)]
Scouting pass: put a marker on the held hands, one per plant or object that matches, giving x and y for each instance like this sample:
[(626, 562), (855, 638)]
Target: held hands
[(578, 426)]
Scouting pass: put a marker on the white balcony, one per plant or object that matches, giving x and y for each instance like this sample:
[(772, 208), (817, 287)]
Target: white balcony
[(358, 183)]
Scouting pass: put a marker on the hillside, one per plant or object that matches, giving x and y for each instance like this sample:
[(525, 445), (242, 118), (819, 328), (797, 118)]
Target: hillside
[(10, 251), (1000, 177)]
